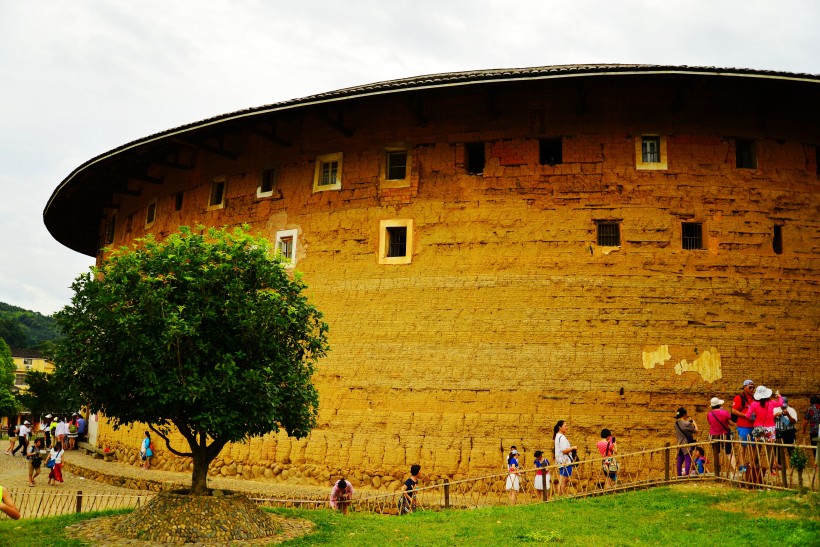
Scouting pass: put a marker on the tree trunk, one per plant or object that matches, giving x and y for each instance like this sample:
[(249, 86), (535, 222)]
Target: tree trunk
[(199, 478)]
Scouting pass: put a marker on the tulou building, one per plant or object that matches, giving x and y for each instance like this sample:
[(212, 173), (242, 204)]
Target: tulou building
[(497, 250)]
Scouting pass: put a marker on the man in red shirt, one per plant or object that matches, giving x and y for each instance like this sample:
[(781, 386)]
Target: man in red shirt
[(740, 406)]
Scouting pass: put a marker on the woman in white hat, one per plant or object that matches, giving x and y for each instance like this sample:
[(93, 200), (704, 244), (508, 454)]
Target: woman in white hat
[(762, 409)]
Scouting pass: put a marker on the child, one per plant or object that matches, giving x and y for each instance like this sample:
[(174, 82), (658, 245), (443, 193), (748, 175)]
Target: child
[(542, 475), (700, 460)]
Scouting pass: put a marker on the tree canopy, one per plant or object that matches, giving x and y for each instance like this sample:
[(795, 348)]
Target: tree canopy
[(206, 330), (8, 403), (25, 329)]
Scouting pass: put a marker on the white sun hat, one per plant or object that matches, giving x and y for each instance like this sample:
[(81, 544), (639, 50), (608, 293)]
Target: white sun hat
[(762, 392)]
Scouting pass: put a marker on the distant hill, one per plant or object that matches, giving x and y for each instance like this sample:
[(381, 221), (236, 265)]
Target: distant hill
[(26, 329)]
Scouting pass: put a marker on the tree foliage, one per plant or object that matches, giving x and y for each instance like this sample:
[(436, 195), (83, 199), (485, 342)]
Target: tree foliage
[(25, 329), (205, 331), (8, 403), (48, 394)]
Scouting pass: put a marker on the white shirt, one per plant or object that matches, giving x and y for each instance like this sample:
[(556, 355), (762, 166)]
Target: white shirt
[(561, 444), (56, 456), (61, 429), (23, 431)]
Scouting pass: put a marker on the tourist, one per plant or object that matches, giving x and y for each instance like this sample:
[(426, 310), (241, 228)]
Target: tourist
[(761, 412), (22, 438), (785, 424), (53, 429), (34, 460), (340, 495), (7, 504), (542, 474), (513, 482), (699, 461), (607, 447), (73, 431), (82, 426), (146, 451), (685, 431), (61, 431), (56, 456), (719, 420), (408, 501), (46, 427), (12, 431), (740, 404), (563, 454), (812, 423)]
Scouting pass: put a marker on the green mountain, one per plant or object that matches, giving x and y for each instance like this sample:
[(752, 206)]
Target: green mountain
[(26, 329)]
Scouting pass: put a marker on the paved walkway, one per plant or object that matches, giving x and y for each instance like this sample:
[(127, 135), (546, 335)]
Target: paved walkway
[(14, 474)]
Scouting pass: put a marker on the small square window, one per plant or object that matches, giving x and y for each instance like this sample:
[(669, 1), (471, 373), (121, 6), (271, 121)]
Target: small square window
[(20, 379), (28, 362), (609, 234), (551, 151), (328, 172), (110, 230), (692, 235), (395, 241), (267, 183), (474, 158), (151, 214), (745, 154), (286, 244), (217, 197), (777, 239), (178, 201), (650, 153), (396, 164)]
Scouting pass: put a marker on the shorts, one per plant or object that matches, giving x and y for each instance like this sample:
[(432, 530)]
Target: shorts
[(745, 434), (565, 471)]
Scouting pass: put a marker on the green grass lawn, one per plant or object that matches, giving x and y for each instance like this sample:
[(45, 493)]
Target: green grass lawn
[(690, 515)]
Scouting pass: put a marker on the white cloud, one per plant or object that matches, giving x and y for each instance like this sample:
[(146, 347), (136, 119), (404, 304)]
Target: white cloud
[(83, 77)]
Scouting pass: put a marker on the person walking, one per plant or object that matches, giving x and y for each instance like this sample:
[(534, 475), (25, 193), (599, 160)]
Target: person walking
[(46, 427), (73, 432), (34, 460), (12, 431), (340, 495), (56, 456), (607, 447), (563, 454), (146, 451), (22, 438), (685, 431), (408, 501)]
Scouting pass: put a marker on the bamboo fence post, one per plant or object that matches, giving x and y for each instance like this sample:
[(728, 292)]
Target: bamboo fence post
[(666, 463), (79, 501), (446, 493), (716, 453)]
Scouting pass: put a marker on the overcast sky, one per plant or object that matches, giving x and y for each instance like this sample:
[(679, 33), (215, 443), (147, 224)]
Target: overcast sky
[(78, 78)]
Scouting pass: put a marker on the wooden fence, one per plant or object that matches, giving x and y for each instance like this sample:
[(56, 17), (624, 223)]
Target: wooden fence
[(753, 466)]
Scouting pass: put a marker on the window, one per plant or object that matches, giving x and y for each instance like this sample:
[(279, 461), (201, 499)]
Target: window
[(286, 244), (550, 151), (20, 379), (745, 154), (217, 197), (777, 239), (395, 165), (395, 241), (267, 183), (474, 158), (151, 214), (178, 201), (650, 153), (28, 362), (692, 235), (609, 234), (110, 229), (328, 172)]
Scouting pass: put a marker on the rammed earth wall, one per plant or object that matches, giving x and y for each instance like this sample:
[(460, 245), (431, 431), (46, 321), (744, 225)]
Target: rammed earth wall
[(509, 315)]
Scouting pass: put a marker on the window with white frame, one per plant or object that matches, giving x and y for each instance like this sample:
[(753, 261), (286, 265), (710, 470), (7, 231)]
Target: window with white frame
[(396, 241), (650, 152), (267, 183), (328, 172), (286, 244), (216, 200), (151, 214), (395, 170)]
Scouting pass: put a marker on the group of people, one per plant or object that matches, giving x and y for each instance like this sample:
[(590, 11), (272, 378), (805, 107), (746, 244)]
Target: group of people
[(565, 454), (342, 493), (759, 415)]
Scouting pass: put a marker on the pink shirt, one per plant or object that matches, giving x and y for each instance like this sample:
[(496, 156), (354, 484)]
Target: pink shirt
[(337, 493), (764, 417), (720, 422), (602, 448)]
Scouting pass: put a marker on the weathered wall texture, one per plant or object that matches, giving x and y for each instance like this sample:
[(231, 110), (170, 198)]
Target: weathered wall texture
[(510, 317)]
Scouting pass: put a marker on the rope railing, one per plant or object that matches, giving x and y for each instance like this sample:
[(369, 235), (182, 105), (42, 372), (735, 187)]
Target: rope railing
[(752, 465)]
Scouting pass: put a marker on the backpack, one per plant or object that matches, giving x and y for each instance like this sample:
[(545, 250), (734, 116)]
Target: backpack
[(743, 405)]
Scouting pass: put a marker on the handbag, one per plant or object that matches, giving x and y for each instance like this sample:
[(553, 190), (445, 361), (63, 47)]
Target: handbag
[(610, 465), (50, 464)]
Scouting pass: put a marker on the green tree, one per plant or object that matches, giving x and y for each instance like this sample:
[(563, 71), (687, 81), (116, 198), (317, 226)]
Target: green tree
[(8, 403), (48, 394), (208, 332)]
